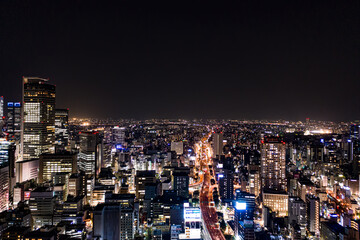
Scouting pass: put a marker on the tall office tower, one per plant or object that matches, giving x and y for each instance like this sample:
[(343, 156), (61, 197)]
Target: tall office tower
[(244, 215), (181, 182), (4, 186), (226, 185), (13, 121), (218, 144), (56, 163), (143, 178), (90, 147), (245, 204), (273, 163), (313, 214), (7, 171), (118, 136), (38, 125), (297, 213), (254, 182), (61, 129)]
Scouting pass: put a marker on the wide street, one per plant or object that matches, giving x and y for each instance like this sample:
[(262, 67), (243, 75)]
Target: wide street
[(208, 212)]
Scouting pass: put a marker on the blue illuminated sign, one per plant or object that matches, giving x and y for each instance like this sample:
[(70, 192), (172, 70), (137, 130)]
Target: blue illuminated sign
[(10, 104)]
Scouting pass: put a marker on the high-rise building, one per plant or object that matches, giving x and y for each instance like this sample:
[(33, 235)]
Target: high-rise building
[(254, 182), (7, 178), (4, 186), (61, 129), (273, 165), (56, 163), (226, 185), (118, 136), (42, 205), (143, 178), (89, 154), (13, 121), (118, 223), (38, 125), (297, 213), (244, 215), (244, 205), (181, 181), (218, 144), (313, 214)]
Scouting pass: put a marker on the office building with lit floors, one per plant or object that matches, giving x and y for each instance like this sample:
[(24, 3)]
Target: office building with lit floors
[(42, 206), (313, 214), (115, 219), (218, 144), (13, 121), (297, 213), (61, 129), (90, 153), (181, 181), (277, 201), (273, 164), (244, 208), (226, 185), (4, 186), (118, 136), (38, 125), (143, 178), (56, 163)]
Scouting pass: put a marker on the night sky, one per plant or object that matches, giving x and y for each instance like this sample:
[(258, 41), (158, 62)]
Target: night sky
[(187, 59)]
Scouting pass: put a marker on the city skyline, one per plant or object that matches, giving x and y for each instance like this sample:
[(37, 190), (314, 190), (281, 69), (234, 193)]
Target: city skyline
[(246, 61), (163, 120)]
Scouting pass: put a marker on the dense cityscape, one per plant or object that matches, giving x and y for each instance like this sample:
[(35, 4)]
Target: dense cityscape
[(83, 178)]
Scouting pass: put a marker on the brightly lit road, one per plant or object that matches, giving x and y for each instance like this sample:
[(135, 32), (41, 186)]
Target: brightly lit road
[(208, 212)]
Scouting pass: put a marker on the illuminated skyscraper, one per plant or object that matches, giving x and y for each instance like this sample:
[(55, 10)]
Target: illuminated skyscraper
[(89, 155), (4, 174), (4, 189), (313, 214), (218, 144), (118, 136), (61, 129), (226, 185), (38, 125), (273, 163), (13, 121)]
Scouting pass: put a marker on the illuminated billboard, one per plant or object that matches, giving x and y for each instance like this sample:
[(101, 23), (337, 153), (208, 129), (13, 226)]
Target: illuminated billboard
[(192, 215), (240, 205)]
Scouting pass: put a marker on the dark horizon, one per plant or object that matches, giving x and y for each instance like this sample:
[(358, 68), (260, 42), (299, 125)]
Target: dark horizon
[(252, 60)]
